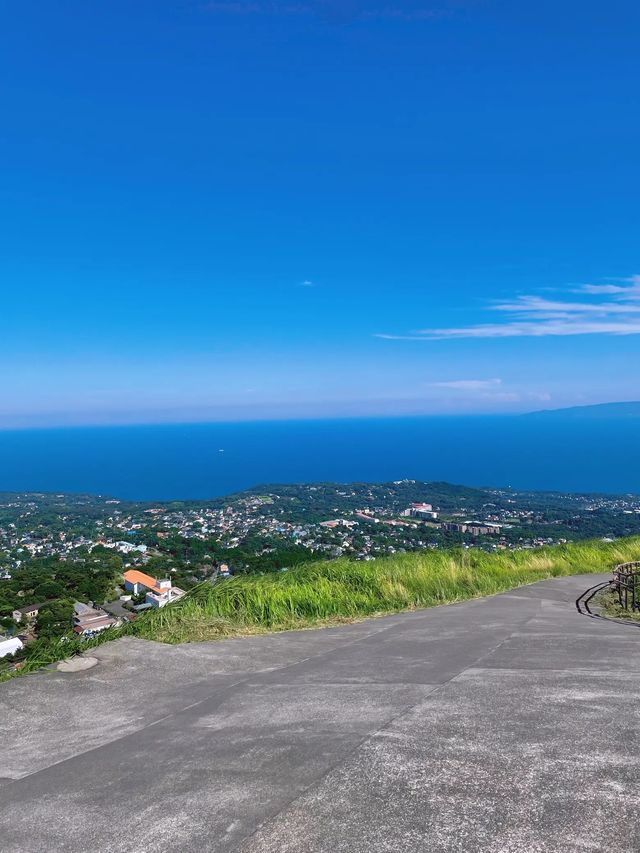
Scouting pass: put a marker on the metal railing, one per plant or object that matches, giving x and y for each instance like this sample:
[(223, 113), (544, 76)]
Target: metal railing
[(626, 584)]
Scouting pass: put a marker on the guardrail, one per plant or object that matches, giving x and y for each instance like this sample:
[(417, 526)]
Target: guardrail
[(626, 584)]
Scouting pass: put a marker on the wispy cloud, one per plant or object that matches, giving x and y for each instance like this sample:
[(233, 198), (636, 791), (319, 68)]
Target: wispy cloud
[(616, 311), (307, 283), (628, 289), (488, 391), (469, 384)]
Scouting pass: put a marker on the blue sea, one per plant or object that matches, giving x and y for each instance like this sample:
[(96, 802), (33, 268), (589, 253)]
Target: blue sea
[(208, 460)]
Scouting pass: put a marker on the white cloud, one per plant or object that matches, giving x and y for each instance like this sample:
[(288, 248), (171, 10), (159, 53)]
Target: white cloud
[(488, 391), (469, 384), (615, 312), (547, 308), (307, 283), (629, 290)]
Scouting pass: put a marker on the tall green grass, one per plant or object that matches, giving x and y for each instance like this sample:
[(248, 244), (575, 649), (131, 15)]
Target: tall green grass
[(342, 589)]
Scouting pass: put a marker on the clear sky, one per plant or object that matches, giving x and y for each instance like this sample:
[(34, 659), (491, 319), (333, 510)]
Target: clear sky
[(254, 208)]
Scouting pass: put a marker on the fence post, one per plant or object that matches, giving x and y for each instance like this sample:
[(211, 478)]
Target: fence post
[(626, 578)]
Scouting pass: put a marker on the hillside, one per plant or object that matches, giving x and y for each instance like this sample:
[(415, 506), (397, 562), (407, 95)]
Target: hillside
[(330, 592), (600, 411), (343, 590)]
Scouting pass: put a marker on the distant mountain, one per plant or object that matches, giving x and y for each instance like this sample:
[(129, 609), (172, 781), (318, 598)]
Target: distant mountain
[(601, 411)]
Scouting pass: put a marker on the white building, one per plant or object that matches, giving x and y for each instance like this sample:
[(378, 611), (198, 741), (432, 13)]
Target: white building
[(11, 646), (157, 592), (28, 613), (422, 511), (163, 593), (90, 620)]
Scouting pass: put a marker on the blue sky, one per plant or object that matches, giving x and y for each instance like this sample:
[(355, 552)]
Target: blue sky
[(222, 210)]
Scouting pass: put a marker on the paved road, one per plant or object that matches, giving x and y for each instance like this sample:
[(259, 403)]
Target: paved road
[(502, 725)]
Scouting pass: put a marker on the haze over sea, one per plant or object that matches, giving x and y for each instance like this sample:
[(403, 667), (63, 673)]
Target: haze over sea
[(208, 460)]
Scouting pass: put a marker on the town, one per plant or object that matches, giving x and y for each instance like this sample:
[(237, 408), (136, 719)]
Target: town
[(80, 564)]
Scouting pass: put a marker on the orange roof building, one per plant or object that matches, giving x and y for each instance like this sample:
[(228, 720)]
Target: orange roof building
[(157, 592), (136, 582)]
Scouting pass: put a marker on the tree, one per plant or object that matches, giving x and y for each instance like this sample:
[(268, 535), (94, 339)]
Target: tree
[(54, 619), (7, 604), (48, 589)]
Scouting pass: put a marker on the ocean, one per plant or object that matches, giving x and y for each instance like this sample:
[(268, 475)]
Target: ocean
[(208, 460)]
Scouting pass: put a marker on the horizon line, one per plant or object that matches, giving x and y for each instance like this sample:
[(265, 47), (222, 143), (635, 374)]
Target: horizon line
[(4, 428)]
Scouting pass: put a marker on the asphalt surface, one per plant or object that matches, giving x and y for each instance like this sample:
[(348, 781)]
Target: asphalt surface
[(502, 725)]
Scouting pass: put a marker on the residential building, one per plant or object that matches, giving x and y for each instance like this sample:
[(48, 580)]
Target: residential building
[(28, 613), (163, 593), (158, 592), (137, 582), (91, 620)]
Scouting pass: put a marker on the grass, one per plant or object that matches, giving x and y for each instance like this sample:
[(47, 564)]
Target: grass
[(341, 590), (608, 603), (41, 653), (329, 592)]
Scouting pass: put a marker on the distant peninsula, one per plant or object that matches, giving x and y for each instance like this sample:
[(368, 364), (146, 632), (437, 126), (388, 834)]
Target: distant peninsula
[(600, 411)]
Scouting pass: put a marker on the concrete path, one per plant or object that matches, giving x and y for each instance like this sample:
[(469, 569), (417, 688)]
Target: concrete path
[(502, 725)]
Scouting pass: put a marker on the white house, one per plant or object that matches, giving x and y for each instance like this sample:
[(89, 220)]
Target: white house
[(28, 613), (163, 593), (158, 592), (136, 582)]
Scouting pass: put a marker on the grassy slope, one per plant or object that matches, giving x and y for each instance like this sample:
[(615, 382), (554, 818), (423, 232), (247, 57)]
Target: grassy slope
[(340, 589), (607, 600)]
